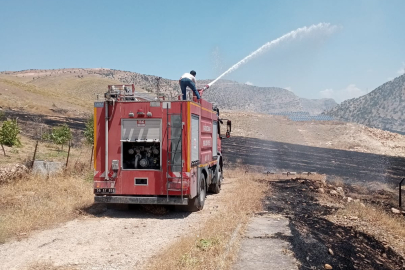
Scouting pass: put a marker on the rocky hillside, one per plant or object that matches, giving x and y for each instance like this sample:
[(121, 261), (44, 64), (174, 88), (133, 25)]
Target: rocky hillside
[(230, 94), (382, 108), (236, 96), (72, 88)]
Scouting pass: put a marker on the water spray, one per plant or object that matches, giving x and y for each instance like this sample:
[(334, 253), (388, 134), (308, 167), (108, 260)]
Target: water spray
[(324, 28)]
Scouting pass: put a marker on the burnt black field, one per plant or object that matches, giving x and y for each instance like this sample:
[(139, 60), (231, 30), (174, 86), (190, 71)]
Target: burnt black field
[(312, 234), (279, 157)]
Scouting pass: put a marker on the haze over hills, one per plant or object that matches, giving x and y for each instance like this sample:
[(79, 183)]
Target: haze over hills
[(382, 108), (73, 90)]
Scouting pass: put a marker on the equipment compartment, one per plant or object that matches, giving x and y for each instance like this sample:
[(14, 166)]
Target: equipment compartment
[(141, 155)]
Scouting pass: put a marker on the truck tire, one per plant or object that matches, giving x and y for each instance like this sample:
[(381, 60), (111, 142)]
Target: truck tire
[(215, 188), (197, 203)]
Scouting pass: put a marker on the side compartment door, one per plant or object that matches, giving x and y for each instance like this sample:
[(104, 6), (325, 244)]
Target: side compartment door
[(195, 153), (195, 141), (214, 139)]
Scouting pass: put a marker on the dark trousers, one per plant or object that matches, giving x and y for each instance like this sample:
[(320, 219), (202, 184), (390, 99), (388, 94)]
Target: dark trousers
[(183, 85)]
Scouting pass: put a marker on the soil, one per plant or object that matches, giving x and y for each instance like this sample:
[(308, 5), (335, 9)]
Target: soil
[(348, 166), (315, 238), (321, 134)]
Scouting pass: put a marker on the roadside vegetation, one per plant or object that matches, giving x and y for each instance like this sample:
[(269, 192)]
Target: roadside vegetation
[(59, 135), (31, 201), (18, 143), (37, 202), (9, 131), (215, 244)]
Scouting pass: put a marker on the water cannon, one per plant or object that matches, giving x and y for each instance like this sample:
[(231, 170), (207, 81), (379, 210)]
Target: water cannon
[(201, 91)]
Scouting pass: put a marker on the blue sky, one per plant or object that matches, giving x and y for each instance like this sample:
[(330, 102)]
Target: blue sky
[(168, 38)]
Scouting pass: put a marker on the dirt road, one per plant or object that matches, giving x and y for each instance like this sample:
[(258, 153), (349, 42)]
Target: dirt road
[(112, 240)]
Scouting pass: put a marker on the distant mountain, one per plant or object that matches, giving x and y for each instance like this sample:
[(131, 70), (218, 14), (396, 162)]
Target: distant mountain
[(382, 108), (237, 96), (75, 89), (230, 94)]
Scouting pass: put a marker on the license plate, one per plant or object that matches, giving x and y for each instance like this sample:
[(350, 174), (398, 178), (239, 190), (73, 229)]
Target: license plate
[(104, 190)]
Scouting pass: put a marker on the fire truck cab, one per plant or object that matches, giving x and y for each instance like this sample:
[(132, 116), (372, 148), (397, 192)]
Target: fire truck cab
[(156, 150)]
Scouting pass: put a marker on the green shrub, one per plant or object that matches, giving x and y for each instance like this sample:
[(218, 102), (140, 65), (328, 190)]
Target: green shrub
[(9, 133), (46, 136), (89, 131), (59, 135)]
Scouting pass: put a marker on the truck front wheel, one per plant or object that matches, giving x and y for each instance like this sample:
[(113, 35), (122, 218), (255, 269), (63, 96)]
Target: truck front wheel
[(197, 203)]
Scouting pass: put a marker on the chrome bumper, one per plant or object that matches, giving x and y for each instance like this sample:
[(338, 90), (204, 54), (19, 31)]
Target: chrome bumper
[(163, 200)]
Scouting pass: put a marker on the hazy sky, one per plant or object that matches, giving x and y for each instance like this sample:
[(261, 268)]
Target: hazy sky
[(168, 38)]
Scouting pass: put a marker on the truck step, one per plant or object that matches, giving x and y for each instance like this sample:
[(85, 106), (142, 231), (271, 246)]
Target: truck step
[(174, 189), (172, 164)]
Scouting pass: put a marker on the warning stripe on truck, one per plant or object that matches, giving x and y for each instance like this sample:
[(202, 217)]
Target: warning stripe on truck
[(95, 138)]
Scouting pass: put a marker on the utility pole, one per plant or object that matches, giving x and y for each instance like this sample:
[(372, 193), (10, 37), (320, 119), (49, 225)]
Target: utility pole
[(158, 86)]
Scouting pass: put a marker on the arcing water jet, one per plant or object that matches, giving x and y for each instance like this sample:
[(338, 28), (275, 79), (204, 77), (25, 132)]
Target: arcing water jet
[(324, 28)]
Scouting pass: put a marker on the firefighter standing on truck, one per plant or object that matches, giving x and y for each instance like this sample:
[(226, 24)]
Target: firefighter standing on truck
[(188, 79)]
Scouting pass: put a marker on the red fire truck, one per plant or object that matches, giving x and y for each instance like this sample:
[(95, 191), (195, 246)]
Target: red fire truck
[(156, 150)]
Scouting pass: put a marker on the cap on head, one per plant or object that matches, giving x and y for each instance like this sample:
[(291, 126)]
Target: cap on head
[(193, 73)]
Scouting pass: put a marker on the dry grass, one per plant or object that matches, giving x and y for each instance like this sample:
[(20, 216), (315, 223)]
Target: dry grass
[(336, 181), (67, 88), (375, 221), (210, 248), (279, 176), (36, 202), (49, 266), (376, 217)]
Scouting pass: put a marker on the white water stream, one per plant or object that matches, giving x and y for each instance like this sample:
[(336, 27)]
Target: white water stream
[(322, 28)]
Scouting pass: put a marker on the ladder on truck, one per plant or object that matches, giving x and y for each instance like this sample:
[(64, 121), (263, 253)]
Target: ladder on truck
[(174, 149)]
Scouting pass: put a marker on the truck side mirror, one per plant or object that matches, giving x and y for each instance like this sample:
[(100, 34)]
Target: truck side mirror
[(228, 126)]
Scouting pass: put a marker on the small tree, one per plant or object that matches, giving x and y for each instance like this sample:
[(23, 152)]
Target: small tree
[(89, 131), (9, 133), (61, 135)]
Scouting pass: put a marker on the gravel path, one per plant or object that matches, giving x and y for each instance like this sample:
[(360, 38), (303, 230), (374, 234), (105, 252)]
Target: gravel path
[(265, 245), (113, 240)]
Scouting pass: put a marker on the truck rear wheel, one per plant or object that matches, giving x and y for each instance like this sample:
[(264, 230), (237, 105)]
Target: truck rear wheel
[(197, 203), (216, 187)]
